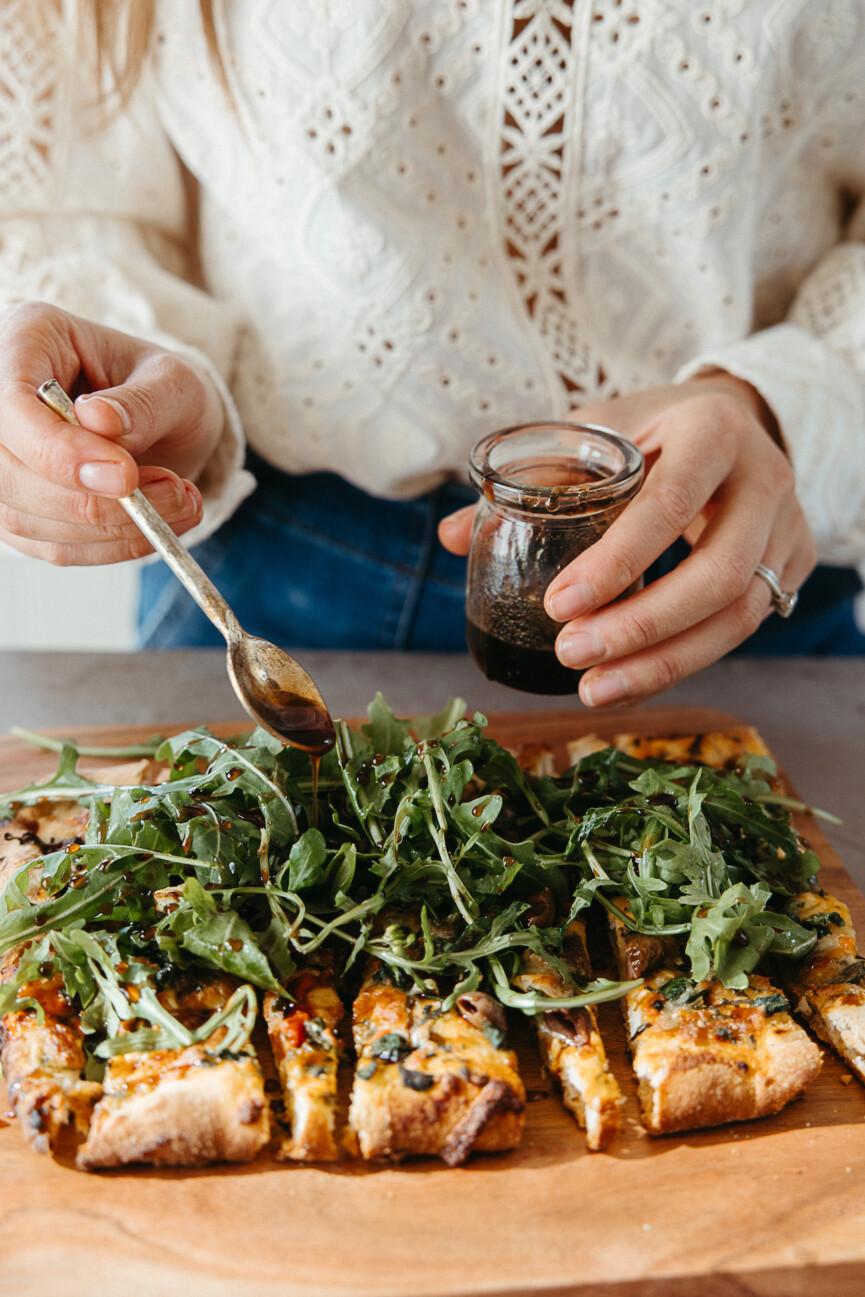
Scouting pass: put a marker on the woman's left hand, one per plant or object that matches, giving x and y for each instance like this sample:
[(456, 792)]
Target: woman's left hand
[(716, 474)]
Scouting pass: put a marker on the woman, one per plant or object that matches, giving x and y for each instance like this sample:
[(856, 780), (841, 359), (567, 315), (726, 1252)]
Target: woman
[(359, 236)]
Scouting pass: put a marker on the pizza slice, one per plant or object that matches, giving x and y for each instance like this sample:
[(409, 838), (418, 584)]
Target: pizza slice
[(43, 1062), (304, 1038), (430, 1081), (570, 1042), (828, 986), (43, 1066), (704, 1054), (181, 1107), (722, 749)]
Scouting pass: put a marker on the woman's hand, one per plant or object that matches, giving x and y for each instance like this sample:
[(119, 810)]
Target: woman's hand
[(717, 476), (149, 418)]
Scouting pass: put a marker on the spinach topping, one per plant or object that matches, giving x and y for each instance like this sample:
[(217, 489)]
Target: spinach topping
[(771, 1004), (494, 1034), (681, 990), (316, 1032), (819, 923), (390, 1048)]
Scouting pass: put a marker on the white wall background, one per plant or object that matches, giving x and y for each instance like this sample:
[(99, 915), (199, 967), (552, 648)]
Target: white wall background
[(83, 608)]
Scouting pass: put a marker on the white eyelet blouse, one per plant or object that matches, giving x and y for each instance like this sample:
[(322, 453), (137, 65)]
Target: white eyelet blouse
[(420, 220)]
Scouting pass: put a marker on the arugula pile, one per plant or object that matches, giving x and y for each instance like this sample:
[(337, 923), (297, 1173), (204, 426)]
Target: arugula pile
[(426, 847), (707, 853)]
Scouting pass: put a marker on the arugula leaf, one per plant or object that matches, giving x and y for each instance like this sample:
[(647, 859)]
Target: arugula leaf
[(306, 860), (67, 783), (224, 940), (444, 722), (129, 752), (710, 946), (384, 732)]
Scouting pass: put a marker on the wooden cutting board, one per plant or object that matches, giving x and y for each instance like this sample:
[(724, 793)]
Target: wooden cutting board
[(775, 1206)]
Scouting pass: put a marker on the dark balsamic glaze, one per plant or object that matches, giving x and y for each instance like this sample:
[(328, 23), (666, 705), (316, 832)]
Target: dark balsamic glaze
[(534, 670), (304, 722)]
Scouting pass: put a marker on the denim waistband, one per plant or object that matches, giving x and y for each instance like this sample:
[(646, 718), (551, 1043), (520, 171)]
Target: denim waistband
[(312, 561)]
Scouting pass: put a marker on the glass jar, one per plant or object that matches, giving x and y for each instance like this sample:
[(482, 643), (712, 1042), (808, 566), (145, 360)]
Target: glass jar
[(548, 492)]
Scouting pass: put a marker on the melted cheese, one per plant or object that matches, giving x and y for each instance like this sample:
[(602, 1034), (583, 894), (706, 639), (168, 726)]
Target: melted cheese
[(589, 1089), (833, 1005), (438, 1087), (718, 1058), (307, 1060)]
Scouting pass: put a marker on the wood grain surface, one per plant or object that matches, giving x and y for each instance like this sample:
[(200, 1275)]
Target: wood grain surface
[(766, 1208)]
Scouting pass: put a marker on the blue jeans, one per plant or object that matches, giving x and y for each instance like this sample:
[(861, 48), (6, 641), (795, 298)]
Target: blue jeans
[(312, 562)]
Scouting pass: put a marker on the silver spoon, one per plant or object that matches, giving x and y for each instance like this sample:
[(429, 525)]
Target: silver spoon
[(272, 687)]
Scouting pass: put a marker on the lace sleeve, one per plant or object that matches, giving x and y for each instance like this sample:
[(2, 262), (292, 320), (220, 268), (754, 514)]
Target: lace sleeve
[(810, 368), (93, 219)]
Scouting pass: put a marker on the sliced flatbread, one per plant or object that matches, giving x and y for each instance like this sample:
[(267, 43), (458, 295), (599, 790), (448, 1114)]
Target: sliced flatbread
[(828, 986), (177, 1108), (42, 1063), (722, 749), (180, 1107), (43, 1066), (704, 1054), (427, 1081), (570, 1042), (303, 1037)]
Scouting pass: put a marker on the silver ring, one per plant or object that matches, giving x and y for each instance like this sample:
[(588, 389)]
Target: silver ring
[(783, 601)]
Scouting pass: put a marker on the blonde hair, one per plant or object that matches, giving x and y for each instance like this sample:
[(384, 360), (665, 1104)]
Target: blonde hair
[(117, 33)]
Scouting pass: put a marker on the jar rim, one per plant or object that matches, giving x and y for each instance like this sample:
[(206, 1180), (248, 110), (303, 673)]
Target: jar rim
[(583, 497)]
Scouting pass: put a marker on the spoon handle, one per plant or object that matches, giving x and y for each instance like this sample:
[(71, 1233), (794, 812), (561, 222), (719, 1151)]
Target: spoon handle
[(157, 531)]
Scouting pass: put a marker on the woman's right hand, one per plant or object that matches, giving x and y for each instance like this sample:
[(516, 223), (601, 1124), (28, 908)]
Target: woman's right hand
[(148, 417)]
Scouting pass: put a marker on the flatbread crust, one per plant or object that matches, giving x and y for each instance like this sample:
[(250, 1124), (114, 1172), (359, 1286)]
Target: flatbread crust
[(686, 1075), (305, 1043), (428, 1082), (728, 1055), (165, 1107), (43, 1066), (570, 1043), (722, 749), (43, 1062), (828, 986), (181, 1107), (450, 1090), (177, 1108)]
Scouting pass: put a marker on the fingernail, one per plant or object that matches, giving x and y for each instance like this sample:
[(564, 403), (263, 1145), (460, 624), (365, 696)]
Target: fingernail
[(103, 477), (571, 601), (167, 495), (192, 502), (581, 648), (119, 410), (611, 687)]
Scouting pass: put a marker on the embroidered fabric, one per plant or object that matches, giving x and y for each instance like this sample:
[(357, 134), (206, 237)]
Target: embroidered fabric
[(417, 222)]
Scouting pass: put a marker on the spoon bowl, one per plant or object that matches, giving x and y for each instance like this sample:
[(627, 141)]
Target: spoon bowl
[(272, 686), (278, 693)]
